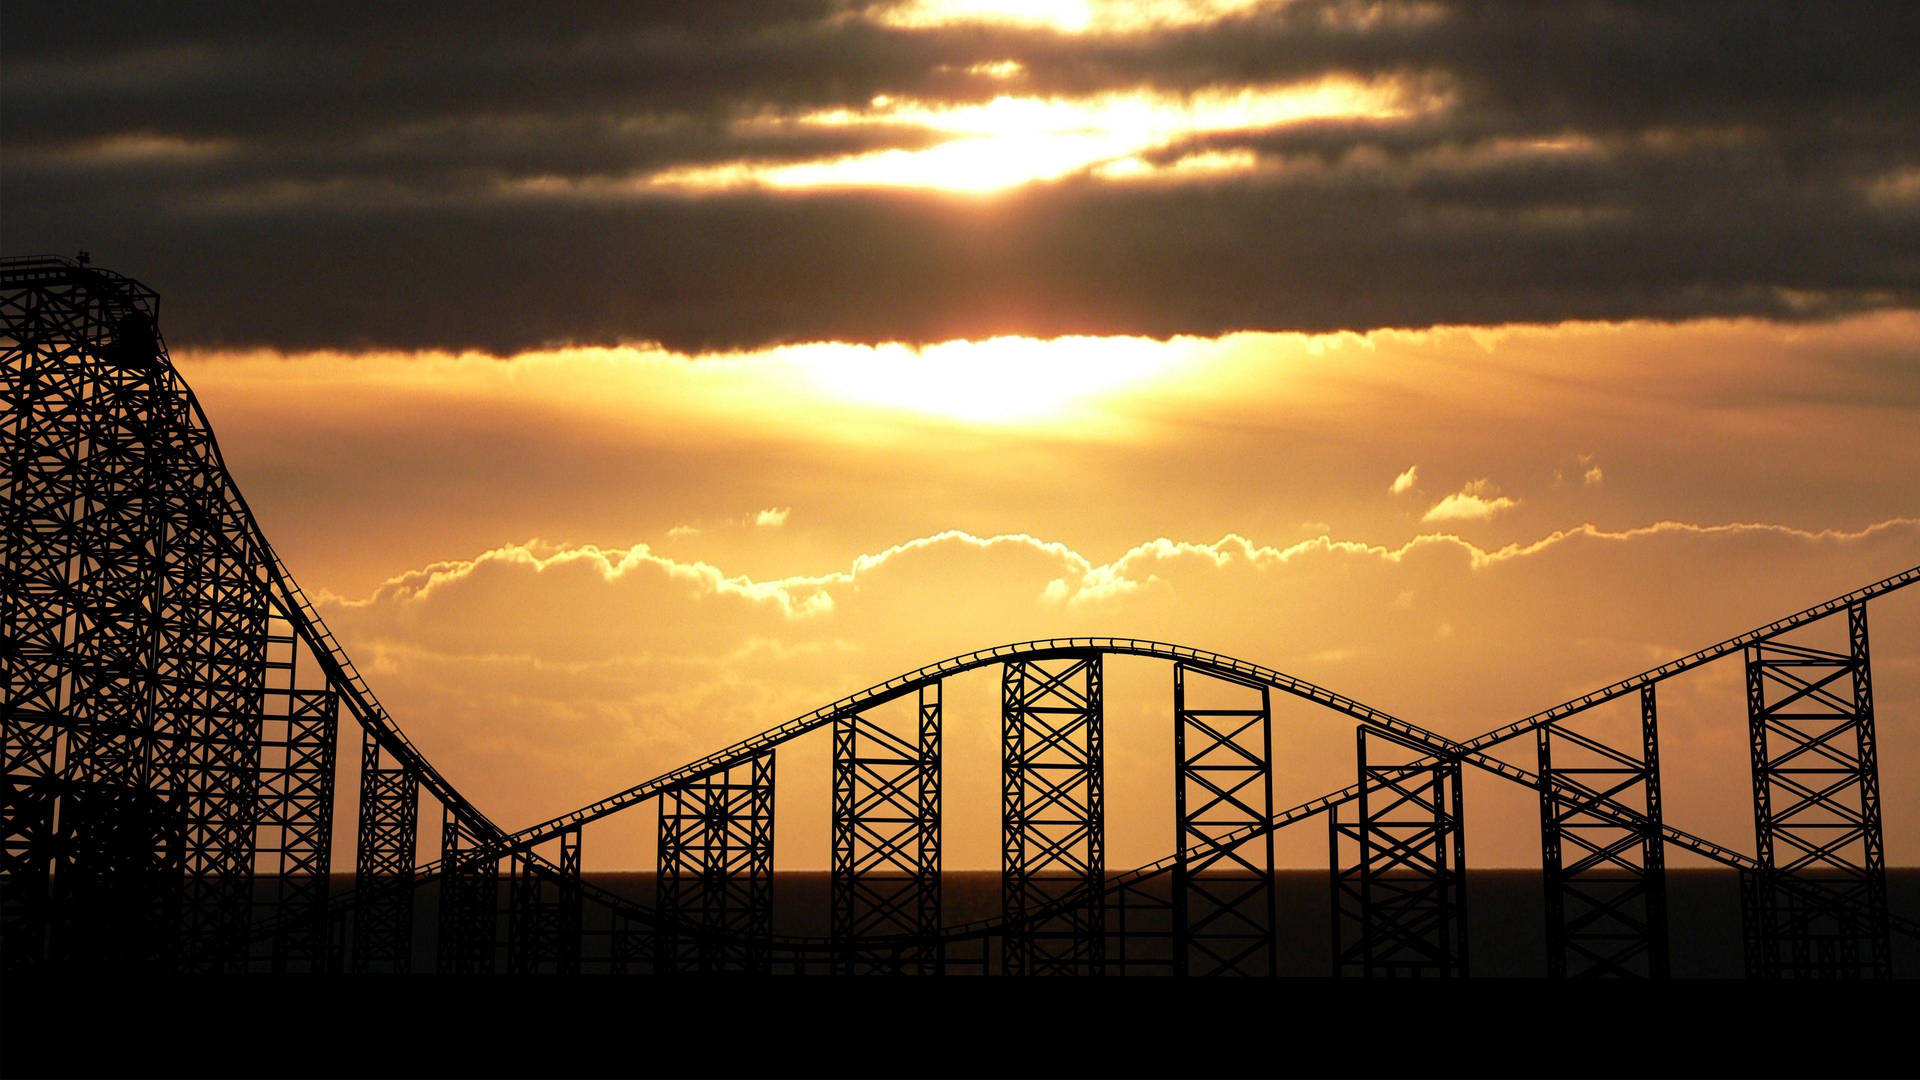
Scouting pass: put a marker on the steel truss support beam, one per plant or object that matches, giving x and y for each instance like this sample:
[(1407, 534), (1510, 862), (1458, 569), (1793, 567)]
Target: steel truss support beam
[(716, 871), (119, 844), (1141, 938), (46, 395), (135, 610), (543, 926), (1816, 809), (1223, 892), (211, 699), (1399, 867), (294, 839), (1053, 814), (1605, 883), (469, 901), (633, 946), (389, 822), (886, 840), (91, 856)]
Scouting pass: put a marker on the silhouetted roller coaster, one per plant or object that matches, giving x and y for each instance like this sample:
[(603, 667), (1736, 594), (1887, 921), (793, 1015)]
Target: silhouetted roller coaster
[(174, 706)]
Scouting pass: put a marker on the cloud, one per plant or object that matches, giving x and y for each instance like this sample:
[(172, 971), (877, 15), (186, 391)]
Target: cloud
[(773, 517), (1478, 501), (479, 158), (1405, 481), (1591, 474)]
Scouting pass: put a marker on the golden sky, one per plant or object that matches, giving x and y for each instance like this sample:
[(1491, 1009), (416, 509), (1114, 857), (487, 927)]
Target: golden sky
[(630, 380), (568, 571)]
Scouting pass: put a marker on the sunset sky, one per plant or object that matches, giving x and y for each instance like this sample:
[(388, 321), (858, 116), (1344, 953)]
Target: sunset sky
[(627, 382)]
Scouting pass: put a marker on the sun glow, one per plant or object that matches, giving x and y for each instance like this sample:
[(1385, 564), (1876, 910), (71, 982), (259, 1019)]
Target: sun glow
[(1013, 139), (1064, 16), (850, 390), (997, 380)]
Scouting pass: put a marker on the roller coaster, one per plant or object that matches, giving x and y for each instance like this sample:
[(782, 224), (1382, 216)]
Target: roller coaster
[(174, 707)]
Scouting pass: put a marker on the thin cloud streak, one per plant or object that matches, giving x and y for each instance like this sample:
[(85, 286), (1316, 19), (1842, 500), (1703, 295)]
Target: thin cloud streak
[(809, 596)]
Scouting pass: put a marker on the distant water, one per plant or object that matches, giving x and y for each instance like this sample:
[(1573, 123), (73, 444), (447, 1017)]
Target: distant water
[(1505, 916)]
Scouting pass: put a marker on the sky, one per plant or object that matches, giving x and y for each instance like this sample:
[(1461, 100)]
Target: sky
[(624, 383)]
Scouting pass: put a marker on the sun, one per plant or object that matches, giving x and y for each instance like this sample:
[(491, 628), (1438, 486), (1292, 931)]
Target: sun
[(1015, 138), (1001, 380)]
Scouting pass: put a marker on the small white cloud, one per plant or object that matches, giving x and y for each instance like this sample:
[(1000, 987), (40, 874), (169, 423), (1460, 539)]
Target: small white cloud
[(1405, 481), (1594, 476), (772, 517), (1477, 501), (682, 530)]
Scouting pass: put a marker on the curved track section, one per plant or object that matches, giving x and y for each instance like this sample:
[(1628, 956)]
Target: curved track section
[(1472, 750)]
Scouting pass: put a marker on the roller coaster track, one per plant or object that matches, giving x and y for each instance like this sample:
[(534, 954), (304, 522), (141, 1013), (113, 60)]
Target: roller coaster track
[(121, 298), (1472, 751)]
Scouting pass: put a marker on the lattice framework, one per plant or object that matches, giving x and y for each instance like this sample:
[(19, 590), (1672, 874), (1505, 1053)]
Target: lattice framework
[(1816, 799), (1399, 879), (384, 858), (886, 839), (1053, 814), (469, 900), (715, 885), (294, 846), (1605, 882), (1223, 888), (544, 922)]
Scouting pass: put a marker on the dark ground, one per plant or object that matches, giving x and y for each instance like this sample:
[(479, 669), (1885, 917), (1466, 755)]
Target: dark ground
[(1505, 921), (115, 1023)]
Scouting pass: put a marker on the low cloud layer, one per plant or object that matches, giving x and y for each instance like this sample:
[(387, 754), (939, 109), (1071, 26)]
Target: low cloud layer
[(431, 177)]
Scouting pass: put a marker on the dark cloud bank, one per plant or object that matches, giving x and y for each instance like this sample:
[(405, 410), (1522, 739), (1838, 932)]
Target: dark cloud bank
[(335, 178)]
